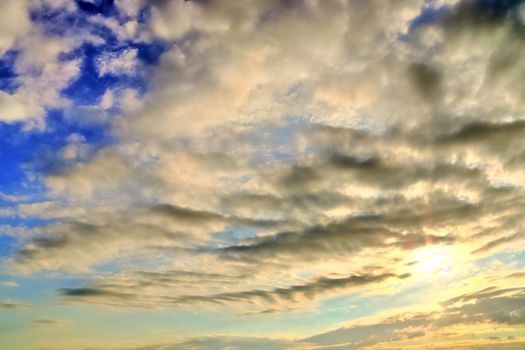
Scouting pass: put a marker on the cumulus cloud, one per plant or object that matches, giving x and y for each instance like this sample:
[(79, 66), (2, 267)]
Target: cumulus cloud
[(14, 23), (41, 70)]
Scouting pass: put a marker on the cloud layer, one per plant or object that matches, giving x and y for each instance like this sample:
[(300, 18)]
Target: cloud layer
[(268, 156)]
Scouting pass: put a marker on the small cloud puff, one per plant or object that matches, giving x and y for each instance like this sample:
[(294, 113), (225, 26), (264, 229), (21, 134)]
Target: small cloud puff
[(117, 63)]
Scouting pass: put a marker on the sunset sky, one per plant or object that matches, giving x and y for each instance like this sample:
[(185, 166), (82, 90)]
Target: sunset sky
[(262, 174)]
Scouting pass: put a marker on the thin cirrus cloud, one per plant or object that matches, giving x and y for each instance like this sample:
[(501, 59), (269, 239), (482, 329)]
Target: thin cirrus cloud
[(269, 160)]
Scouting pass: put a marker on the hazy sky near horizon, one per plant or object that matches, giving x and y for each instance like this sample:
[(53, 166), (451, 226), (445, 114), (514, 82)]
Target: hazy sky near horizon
[(262, 174)]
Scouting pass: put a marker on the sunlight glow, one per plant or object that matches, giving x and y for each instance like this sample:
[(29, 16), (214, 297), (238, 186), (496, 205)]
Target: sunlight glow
[(434, 260)]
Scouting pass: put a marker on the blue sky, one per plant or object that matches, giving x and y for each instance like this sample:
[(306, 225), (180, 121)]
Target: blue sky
[(261, 174)]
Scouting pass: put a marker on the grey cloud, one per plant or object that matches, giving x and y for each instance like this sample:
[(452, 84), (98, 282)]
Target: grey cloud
[(490, 305), (485, 133), (346, 236), (427, 81), (186, 214), (499, 242), (12, 305), (481, 294), (311, 290), (128, 294), (158, 225), (470, 15), (50, 322), (93, 292), (198, 217), (291, 205)]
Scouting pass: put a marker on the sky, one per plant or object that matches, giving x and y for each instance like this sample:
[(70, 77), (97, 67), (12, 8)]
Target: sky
[(262, 174)]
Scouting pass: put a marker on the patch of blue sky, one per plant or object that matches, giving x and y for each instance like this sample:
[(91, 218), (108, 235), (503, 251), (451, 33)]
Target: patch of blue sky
[(7, 244), (61, 126), (507, 257), (57, 22), (520, 259), (37, 288), (10, 243), (36, 151), (150, 53), (277, 141), (233, 235), (26, 156), (90, 85), (429, 16), (16, 221), (350, 307), (17, 148), (97, 7), (8, 76)]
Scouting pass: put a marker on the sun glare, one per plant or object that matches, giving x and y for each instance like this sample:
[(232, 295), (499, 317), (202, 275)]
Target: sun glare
[(434, 260)]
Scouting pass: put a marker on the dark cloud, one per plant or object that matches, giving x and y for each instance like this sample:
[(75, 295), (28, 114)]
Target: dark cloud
[(12, 305), (499, 242), (427, 81), (486, 133), (478, 14), (340, 237), (198, 217), (319, 286), (93, 292), (186, 214), (110, 292)]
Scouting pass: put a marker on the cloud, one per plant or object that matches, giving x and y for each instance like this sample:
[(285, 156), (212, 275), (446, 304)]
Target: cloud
[(117, 63), (13, 305), (232, 343), (444, 327), (283, 151), (126, 290), (14, 23), (50, 322), (221, 342), (503, 307), (9, 284)]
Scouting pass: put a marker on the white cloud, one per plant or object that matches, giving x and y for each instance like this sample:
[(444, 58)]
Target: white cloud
[(12, 108), (118, 63), (14, 22), (9, 284)]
